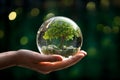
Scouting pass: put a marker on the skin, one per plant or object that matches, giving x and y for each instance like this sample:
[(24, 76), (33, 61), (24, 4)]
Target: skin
[(38, 62)]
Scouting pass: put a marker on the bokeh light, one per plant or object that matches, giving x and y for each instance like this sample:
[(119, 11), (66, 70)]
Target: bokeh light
[(117, 20), (116, 29), (100, 27), (1, 34), (24, 40), (92, 51), (12, 15), (107, 29), (106, 42), (91, 6), (49, 15), (105, 3), (67, 2), (35, 12)]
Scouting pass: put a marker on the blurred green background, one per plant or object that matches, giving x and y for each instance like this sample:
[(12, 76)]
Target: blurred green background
[(99, 21)]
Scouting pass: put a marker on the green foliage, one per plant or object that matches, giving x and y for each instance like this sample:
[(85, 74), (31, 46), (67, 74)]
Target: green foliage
[(60, 29)]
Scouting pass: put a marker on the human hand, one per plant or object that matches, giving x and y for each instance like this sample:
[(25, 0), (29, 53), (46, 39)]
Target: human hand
[(46, 64)]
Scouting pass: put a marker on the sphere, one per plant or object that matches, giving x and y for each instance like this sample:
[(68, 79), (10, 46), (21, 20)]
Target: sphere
[(59, 35)]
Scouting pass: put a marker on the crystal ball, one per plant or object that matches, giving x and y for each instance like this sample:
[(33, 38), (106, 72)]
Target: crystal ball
[(59, 35)]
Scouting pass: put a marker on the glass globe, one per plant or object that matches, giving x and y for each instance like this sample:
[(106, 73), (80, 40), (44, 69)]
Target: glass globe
[(59, 35)]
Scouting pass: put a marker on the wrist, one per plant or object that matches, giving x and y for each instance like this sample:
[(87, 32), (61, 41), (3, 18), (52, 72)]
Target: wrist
[(8, 59)]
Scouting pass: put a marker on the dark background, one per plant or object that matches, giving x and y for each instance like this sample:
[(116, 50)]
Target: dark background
[(99, 21)]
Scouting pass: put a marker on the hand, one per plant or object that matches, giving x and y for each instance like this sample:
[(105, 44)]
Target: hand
[(46, 64)]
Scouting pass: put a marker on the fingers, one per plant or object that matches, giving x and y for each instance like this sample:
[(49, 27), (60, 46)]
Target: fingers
[(38, 57), (85, 53), (53, 58), (47, 58), (53, 66), (69, 62), (50, 58), (27, 57)]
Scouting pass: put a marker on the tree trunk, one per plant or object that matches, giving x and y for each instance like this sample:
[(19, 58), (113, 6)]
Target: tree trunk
[(61, 43)]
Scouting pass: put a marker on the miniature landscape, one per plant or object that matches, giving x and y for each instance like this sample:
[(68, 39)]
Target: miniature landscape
[(62, 32)]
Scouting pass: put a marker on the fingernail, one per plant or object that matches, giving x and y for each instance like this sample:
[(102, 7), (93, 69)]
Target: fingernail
[(84, 52)]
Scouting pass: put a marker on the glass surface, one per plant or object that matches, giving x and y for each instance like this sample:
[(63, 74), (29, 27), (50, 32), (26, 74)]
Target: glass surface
[(59, 35)]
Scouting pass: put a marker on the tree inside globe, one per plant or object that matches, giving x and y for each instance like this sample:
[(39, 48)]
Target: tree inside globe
[(59, 35)]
